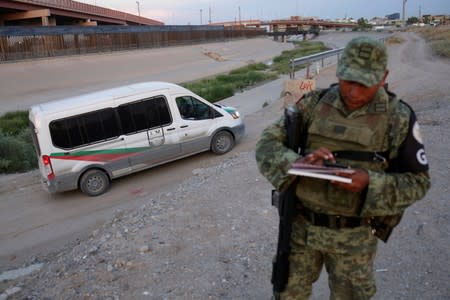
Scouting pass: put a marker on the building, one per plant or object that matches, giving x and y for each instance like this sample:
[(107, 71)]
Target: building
[(64, 12), (394, 16)]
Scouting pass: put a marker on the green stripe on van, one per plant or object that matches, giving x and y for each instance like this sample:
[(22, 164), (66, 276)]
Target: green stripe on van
[(105, 151)]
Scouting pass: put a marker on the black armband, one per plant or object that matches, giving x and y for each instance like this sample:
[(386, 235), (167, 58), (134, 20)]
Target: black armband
[(411, 154)]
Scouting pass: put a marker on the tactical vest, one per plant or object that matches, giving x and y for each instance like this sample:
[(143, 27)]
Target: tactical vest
[(330, 127)]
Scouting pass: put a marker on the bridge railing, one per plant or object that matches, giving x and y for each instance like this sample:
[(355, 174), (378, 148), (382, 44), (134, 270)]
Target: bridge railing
[(310, 59)]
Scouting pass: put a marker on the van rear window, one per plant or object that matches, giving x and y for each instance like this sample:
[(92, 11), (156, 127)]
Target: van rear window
[(85, 129), (105, 124)]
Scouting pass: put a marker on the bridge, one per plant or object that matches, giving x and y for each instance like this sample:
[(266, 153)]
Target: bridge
[(288, 24), (64, 12)]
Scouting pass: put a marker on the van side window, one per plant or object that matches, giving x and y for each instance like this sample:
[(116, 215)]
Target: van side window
[(84, 129), (143, 115), (193, 109)]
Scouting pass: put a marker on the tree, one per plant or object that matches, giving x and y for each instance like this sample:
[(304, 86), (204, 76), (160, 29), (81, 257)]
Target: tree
[(363, 24), (412, 20)]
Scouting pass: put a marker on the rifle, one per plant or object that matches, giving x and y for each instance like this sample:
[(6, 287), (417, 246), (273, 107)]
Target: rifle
[(285, 201)]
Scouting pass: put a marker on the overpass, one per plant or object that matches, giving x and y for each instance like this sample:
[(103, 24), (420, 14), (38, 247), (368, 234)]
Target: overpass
[(64, 12), (287, 24)]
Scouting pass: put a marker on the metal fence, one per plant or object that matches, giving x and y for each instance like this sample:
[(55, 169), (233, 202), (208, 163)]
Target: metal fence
[(17, 43), (310, 59)]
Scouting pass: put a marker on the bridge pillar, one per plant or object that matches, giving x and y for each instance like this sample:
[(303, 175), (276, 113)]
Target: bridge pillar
[(44, 21)]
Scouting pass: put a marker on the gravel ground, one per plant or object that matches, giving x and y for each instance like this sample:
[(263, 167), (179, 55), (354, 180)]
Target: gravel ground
[(213, 236), (188, 243)]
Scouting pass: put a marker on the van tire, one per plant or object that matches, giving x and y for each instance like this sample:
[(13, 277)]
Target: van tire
[(94, 182), (222, 142)]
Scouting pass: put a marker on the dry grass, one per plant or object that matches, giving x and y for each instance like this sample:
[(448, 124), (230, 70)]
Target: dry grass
[(438, 39), (394, 40)]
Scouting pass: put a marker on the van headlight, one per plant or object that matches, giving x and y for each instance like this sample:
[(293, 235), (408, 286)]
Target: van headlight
[(232, 111), (235, 114)]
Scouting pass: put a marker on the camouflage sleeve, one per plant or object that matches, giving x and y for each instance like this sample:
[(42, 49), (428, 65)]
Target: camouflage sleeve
[(391, 192), (273, 157)]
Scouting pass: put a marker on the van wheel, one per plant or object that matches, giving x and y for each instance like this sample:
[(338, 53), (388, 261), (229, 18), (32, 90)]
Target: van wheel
[(222, 142), (94, 182)]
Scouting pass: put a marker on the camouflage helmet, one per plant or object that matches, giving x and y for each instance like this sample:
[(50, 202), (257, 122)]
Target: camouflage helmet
[(364, 60)]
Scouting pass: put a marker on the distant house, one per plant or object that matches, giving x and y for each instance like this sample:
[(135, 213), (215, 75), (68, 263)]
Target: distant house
[(440, 19), (394, 16)]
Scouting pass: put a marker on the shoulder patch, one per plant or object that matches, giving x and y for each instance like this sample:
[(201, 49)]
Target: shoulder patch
[(411, 155), (416, 133), (421, 157)]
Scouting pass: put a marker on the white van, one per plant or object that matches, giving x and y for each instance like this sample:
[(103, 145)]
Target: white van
[(86, 141)]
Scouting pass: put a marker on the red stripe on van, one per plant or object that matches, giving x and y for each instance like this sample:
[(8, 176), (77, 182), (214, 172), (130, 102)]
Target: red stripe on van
[(102, 157)]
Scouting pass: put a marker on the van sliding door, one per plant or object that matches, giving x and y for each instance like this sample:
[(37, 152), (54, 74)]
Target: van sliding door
[(143, 123)]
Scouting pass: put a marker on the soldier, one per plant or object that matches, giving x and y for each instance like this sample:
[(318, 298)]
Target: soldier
[(358, 123)]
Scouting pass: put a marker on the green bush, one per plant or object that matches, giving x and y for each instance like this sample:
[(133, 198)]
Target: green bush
[(219, 91), (225, 85), (304, 48), (16, 146), (17, 153), (12, 123)]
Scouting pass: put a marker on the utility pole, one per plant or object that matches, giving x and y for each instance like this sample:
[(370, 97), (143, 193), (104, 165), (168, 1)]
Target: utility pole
[(201, 17), (210, 15), (404, 4), (139, 9), (239, 15)]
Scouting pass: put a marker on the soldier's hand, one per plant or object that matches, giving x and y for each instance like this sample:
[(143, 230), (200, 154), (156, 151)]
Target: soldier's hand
[(360, 180), (318, 156)]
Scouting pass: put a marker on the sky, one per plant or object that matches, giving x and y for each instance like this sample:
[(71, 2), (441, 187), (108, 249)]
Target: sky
[(196, 12)]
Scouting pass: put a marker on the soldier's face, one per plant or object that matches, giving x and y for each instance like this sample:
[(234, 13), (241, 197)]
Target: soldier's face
[(355, 95)]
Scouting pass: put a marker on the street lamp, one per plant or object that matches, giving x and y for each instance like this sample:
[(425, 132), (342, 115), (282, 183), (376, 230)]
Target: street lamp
[(139, 9), (404, 1)]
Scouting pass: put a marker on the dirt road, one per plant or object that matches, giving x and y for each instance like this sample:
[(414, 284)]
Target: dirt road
[(203, 227)]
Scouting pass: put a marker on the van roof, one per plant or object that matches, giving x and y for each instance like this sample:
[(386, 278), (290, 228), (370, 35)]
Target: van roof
[(104, 95)]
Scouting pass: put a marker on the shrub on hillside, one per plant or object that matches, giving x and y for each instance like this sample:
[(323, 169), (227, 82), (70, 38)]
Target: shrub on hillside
[(16, 152), (441, 48), (12, 123)]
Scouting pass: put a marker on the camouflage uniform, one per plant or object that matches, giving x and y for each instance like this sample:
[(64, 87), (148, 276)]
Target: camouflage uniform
[(384, 125)]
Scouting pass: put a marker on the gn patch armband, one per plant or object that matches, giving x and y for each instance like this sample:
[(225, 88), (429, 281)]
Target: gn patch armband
[(411, 154)]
